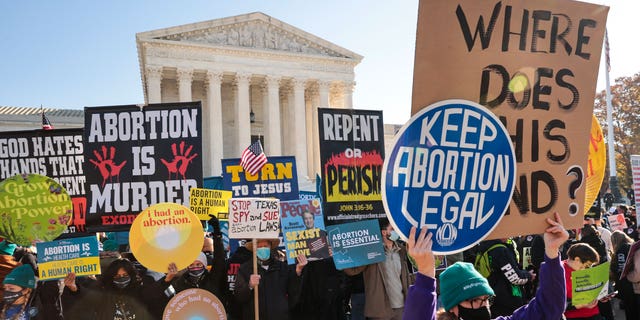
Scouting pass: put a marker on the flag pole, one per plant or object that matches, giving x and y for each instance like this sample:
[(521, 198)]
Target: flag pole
[(256, 304)]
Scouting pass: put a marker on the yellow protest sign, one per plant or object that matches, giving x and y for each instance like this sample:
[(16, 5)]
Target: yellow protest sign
[(204, 202), (165, 233), (596, 165)]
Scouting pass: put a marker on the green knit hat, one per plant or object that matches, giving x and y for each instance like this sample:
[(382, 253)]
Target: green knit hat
[(460, 282), (22, 276), (7, 248)]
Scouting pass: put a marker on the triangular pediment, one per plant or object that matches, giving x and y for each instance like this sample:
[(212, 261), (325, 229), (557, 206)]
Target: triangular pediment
[(251, 31)]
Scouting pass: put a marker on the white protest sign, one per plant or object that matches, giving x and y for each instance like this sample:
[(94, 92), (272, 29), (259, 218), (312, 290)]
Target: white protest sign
[(254, 218)]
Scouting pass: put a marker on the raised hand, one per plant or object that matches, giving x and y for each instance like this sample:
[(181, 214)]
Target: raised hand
[(554, 236), (420, 251)]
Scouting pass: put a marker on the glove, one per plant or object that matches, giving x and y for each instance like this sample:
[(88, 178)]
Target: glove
[(215, 225)]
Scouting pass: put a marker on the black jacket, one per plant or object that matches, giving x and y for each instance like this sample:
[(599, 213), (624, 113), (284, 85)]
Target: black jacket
[(240, 256), (322, 292), (278, 292), (506, 278)]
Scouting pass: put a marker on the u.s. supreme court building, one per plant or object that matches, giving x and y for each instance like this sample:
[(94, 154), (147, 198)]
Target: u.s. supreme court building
[(257, 77)]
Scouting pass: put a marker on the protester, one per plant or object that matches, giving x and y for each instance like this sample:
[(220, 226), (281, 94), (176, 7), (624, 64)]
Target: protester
[(240, 256), (18, 286), (385, 283), (506, 278), (119, 294), (633, 274), (322, 296), (621, 245), (591, 236), (278, 284), (465, 293), (7, 262)]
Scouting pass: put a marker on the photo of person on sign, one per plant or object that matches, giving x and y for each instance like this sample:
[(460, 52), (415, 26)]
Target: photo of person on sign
[(317, 238)]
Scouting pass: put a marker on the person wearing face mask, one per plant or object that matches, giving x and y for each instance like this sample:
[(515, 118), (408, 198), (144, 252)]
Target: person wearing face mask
[(119, 294), (18, 286), (465, 294), (385, 283), (278, 284), (196, 275)]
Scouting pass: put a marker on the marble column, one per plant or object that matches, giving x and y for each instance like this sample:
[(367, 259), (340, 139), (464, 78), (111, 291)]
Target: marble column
[(273, 138), (213, 83), (299, 131), (347, 93), (184, 77), (154, 81), (243, 110), (323, 96)]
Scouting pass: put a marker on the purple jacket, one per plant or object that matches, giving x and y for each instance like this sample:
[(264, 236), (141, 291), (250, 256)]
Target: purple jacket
[(421, 299)]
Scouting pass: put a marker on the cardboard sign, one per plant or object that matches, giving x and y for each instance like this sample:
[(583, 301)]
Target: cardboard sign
[(278, 178), (33, 208), (204, 202), (589, 284), (617, 222), (165, 233), (136, 157), (194, 304), (356, 244), (56, 259), (596, 164), (452, 168), (535, 65), (351, 154), (254, 218), (303, 230)]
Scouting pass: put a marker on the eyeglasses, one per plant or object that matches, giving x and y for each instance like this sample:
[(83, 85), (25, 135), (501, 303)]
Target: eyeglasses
[(480, 301)]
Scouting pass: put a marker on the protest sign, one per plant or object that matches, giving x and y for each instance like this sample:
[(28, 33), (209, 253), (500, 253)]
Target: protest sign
[(451, 168), (356, 244), (589, 284), (535, 65), (57, 154), (351, 157), (596, 164), (137, 157), (204, 202), (278, 178), (33, 208), (165, 233), (303, 230), (58, 258), (194, 304), (617, 222), (635, 172), (257, 218)]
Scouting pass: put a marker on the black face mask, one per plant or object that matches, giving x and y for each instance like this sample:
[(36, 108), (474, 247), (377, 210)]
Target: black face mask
[(122, 282), (474, 314), (11, 297)]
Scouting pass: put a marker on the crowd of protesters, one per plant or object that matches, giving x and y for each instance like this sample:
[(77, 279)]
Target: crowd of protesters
[(528, 277)]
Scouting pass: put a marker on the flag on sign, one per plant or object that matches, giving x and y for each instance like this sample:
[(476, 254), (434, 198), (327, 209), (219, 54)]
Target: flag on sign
[(606, 50), (46, 125), (253, 158)]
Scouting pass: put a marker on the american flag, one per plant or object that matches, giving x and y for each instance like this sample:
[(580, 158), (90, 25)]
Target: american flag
[(606, 50), (253, 158), (46, 125)]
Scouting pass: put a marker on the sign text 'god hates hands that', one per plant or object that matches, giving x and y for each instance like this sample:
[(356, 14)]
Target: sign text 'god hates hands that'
[(535, 65), (139, 157)]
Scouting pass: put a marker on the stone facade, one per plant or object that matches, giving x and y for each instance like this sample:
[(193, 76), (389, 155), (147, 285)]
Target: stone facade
[(244, 65)]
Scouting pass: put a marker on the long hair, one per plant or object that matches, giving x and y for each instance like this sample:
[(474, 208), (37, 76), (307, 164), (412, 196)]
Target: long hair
[(618, 238), (109, 274)]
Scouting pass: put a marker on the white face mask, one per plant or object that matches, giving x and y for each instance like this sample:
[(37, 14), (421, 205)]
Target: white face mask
[(393, 236)]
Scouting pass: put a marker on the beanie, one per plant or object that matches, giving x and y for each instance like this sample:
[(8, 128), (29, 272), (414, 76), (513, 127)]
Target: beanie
[(109, 245), (460, 282), (202, 258), (22, 276), (7, 248)]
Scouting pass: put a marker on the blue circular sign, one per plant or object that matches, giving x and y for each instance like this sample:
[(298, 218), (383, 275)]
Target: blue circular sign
[(452, 168)]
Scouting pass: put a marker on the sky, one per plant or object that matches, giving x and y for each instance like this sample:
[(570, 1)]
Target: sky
[(72, 54)]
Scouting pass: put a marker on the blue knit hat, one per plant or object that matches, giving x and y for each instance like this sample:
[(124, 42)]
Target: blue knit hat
[(22, 276), (7, 248), (460, 282)]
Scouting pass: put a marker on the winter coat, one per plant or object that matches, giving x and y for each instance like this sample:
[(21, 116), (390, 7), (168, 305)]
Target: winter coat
[(322, 296)]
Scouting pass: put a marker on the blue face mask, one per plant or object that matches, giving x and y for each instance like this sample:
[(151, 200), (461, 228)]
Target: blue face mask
[(264, 253), (393, 236)]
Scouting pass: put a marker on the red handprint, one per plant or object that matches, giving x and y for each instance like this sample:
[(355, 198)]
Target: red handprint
[(180, 160), (105, 164)]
